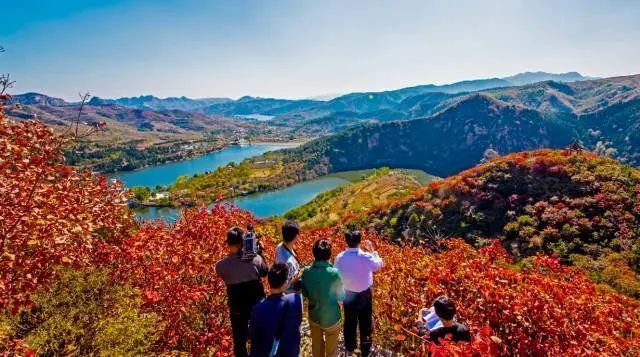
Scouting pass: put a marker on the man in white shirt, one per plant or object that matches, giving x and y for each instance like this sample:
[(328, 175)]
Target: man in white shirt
[(357, 267)]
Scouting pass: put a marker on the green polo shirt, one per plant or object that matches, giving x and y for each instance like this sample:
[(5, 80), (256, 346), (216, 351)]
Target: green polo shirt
[(322, 286)]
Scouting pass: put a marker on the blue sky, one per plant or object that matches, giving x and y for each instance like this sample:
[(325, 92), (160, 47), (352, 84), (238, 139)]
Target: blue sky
[(299, 48)]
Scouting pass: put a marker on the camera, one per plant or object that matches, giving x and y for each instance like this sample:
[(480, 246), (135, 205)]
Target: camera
[(251, 244)]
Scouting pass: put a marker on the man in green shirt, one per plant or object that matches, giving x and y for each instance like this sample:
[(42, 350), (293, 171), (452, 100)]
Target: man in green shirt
[(322, 286)]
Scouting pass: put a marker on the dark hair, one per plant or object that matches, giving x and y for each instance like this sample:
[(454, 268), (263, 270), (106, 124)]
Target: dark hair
[(278, 275), (234, 236), (321, 250), (445, 309), (290, 230), (353, 238)]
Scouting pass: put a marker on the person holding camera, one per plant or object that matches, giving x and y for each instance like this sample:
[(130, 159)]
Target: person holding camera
[(357, 265), (243, 278)]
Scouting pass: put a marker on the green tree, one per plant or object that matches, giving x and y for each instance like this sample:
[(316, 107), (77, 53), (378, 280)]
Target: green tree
[(141, 193)]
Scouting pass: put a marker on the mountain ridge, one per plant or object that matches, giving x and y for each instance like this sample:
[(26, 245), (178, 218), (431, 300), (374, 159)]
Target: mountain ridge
[(213, 105), (460, 131)]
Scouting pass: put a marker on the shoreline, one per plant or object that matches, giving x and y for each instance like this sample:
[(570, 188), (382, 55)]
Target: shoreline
[(287, 144)]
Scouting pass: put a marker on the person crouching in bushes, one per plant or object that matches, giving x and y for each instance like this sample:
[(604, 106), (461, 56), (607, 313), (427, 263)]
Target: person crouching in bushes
[(274, 329), (322, 286), (438, 322)]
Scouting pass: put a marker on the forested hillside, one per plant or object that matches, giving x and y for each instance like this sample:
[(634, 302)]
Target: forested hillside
[(582, 207), (130, 138), (602, 115)]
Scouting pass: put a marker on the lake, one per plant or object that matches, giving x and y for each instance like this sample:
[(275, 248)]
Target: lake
[(166, 174), (257, 117), (262, 205)]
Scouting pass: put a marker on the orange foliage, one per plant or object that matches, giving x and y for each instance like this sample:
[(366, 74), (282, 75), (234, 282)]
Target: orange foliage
[(49, 213)]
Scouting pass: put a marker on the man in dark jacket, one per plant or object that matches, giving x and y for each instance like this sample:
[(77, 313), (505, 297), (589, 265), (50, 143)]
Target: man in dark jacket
[(244, 287), (274, 329)]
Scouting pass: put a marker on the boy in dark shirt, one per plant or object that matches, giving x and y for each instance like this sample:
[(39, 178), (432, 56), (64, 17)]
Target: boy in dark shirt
[(446, 310), (244, 287), (274, 329)]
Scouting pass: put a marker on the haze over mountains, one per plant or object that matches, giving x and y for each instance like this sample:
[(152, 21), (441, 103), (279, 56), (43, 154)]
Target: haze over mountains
[(271, 106)]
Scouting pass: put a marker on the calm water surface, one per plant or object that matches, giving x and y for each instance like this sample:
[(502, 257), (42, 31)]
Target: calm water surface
[(262, 205), (168, 173)]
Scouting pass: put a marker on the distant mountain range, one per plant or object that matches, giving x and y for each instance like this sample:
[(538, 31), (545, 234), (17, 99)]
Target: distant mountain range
[(439, 129), (603, 114), (155, 103), (307, 117), (57, 112), (343, 111), (448, 133), (315, 118), (533, 77)]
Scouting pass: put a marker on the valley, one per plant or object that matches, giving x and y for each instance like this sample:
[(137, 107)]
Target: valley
[(437, 129), (601, 115), (131, 138)]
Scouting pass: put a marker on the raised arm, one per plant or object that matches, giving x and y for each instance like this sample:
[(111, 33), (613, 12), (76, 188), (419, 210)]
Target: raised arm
[(375, 262)]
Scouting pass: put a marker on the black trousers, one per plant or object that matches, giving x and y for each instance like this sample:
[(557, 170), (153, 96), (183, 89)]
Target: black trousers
[(240, 331), (358, 312)]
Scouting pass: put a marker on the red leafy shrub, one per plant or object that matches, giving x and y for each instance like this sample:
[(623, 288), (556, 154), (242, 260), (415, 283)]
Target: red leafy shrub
[(545, 309), (542, 201), (173, 266), (49, 213), (15, 348)]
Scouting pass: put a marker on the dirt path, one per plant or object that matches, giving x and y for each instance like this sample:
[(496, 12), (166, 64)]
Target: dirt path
[(305, 346)]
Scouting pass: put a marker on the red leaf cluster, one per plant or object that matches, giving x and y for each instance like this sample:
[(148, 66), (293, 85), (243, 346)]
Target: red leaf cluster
[(174, 268), (546, 309), (50, 214)]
